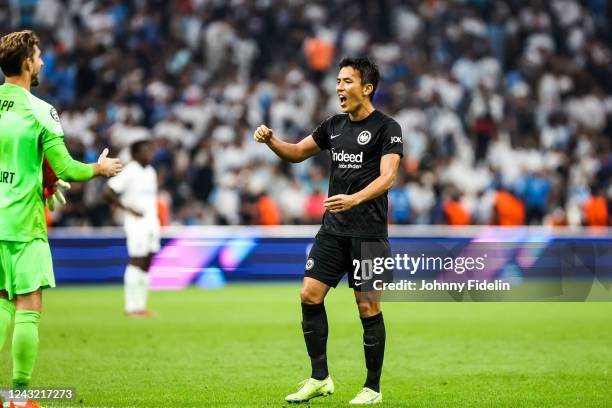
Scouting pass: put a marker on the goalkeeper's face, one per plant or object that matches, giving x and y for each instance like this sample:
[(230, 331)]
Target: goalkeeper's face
[(35, 64)]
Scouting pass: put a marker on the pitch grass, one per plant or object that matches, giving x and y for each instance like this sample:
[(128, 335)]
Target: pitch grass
[(242, 346)]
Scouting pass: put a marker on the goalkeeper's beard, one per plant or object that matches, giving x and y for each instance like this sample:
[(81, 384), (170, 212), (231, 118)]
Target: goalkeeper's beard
[(35, 80)]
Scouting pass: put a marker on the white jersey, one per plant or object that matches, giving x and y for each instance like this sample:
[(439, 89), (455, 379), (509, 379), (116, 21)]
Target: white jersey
[(136, 187)]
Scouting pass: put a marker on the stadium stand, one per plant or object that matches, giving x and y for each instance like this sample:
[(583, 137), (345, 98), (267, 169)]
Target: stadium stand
[(507, 99)]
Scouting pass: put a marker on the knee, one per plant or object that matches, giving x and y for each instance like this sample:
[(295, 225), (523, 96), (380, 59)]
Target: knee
[(31, 301), (310, 297), (147, 263), (140, 263), (367, 309)]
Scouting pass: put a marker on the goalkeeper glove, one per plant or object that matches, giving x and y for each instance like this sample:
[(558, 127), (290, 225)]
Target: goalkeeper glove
[(52, 186)]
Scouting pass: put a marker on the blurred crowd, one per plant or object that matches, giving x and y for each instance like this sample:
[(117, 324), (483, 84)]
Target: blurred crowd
[(505, 106)]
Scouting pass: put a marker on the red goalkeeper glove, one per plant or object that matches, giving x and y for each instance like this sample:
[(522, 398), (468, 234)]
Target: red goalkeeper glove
[(49, 179), (53, 186)]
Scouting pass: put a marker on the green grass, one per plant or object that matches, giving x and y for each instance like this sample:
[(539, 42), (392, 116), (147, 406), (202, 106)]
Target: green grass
[(242, 346)]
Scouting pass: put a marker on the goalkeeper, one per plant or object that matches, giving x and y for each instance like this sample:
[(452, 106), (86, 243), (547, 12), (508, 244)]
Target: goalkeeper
[(29, 130)]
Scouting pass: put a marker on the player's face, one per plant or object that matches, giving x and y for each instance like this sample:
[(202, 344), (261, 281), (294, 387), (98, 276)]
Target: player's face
[(146, 153), (350, 90), (35, 64)]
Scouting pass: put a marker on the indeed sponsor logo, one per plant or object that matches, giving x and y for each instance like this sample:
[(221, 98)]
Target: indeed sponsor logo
[(345, 157)]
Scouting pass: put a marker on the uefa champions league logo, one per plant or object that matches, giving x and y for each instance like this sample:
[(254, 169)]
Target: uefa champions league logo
[(364, 137), (54, 115)]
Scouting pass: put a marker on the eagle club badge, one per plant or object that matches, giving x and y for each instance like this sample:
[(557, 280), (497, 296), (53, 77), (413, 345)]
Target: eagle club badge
[(364, 137)]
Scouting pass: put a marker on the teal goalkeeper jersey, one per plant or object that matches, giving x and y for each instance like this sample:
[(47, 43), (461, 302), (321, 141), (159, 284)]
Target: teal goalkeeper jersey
[(29, 127)]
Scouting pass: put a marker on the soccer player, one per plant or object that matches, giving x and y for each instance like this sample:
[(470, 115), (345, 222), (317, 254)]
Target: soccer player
[(366, 149), (29, 129), (135, 192)]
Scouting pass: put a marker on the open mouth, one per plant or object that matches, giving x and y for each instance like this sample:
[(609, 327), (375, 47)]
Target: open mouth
[(342, 99)]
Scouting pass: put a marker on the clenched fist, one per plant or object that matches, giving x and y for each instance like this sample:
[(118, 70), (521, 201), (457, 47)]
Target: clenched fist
[(263, 134)]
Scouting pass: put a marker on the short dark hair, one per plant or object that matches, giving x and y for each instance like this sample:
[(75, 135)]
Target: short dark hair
[(14, 49), (367, 69), (136, 146)]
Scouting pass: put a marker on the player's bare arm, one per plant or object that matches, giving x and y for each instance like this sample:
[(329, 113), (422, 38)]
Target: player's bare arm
[(112, 197), (291, 152), (389, 165)]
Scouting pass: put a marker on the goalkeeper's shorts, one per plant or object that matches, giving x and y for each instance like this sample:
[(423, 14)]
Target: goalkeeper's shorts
[(25, 267)]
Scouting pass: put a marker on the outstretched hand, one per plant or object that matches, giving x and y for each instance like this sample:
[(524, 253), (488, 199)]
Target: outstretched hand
[(108, 167)]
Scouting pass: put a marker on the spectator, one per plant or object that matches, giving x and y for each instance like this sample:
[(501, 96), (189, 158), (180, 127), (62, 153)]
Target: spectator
[(455, 212), (399, 203), (508, 210), (596, 211), (506, 92), (267, 211), (314, 206), (534, 191)]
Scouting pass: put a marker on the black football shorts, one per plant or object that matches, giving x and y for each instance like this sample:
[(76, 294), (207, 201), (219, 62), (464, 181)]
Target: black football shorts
[(365, 259)]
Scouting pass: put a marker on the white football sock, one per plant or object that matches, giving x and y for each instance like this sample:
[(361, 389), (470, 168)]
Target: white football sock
[(131, 281), (143, 288)]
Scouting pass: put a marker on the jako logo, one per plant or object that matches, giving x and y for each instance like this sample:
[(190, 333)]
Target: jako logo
[(345, 157), (396, 139), (364, 137)]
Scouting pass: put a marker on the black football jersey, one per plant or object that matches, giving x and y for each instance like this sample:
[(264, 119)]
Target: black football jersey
[(356, 149)]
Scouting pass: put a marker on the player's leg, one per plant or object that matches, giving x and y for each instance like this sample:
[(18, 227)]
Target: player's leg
[(7, 312), (153, 244), (144, 285), (7, 307), (314, 325), (143, 243), (147, 262), (32, 271), (374, 336), (326, 265), (369, 306), (25, 337), (136, 279), (133, 279), (314, 328), (324, 269)]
